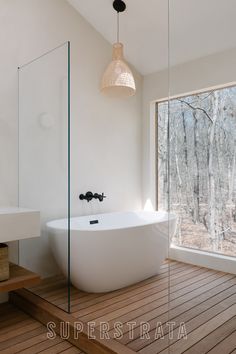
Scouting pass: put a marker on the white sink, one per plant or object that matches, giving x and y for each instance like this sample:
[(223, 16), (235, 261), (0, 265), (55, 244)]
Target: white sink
[(18, 224)]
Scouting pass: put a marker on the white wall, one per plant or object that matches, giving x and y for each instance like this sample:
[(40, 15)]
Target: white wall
[(210, 71), (106, 134)]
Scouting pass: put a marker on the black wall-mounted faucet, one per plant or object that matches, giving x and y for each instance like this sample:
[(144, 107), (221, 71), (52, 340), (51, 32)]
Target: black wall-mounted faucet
[(89, 196)]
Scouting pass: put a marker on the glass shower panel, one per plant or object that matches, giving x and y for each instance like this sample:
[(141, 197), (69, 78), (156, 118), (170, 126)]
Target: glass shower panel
[(201, 172), (44, 169), (202, 126)]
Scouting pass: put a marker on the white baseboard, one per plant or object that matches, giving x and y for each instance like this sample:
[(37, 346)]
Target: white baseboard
[(203, 259)]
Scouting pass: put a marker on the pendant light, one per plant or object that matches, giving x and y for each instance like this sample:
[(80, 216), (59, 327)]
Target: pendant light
[(118, 80)]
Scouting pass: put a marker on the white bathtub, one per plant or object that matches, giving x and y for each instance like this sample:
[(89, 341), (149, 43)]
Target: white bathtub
[(122, 249)]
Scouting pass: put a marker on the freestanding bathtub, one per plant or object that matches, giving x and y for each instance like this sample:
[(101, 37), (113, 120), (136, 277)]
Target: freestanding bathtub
[(116, 250)]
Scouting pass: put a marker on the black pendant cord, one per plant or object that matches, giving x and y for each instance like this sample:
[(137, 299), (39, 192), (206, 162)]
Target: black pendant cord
[(119, 6), (118, 27)]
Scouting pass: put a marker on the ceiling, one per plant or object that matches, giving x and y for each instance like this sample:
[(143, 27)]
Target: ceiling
[(197, 28)]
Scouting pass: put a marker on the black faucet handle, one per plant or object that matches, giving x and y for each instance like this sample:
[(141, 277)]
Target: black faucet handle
[(101, 197), (89, 196)]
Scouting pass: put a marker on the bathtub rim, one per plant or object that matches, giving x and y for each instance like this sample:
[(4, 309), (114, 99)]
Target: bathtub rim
[(50, 224)]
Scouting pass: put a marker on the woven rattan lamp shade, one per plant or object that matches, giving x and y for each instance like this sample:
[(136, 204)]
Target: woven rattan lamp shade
[(118, 79)]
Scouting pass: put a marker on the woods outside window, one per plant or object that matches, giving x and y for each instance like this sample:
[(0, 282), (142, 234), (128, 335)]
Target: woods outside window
[(202, 168)]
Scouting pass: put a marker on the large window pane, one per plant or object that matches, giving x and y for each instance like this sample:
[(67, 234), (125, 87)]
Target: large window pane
[(202, 153)]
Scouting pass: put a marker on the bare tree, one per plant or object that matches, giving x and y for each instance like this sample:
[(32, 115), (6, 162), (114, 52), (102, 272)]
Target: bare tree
[(202, 174)]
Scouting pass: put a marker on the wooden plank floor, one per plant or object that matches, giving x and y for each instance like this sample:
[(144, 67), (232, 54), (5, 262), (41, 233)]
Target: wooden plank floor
[(19, 333), (197, 300)]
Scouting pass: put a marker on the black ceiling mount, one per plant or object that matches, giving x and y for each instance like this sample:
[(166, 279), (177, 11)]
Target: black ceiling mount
[(119, 5)]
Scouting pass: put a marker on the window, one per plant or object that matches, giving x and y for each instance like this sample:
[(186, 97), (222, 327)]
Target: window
[(201, 172)]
